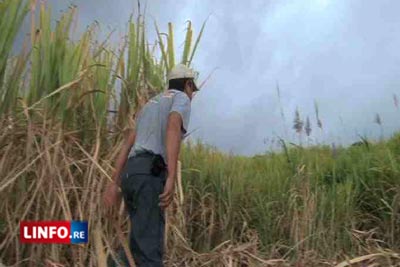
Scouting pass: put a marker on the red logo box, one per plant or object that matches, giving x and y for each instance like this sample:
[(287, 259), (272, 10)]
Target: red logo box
[(45, 232)]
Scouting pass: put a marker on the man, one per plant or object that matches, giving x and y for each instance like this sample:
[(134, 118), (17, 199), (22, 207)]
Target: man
[(147, 174)]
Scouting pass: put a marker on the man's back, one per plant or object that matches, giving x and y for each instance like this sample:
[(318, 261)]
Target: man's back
[(152, 121)]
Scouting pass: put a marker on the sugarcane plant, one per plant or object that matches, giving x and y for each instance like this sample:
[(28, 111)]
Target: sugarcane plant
[(65, 100), (74, 83), (12, 13)]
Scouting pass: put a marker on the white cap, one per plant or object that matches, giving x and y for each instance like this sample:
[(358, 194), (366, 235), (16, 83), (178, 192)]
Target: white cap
[(181, 71)]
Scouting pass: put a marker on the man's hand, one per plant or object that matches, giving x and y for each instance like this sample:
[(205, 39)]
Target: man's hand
[(111, 195), (168, 194)]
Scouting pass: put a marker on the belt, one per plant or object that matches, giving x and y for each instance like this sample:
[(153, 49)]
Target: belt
[(144, 153), (141, 163)]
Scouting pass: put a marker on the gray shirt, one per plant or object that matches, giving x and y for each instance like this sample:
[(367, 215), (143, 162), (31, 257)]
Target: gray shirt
[(151, 123)]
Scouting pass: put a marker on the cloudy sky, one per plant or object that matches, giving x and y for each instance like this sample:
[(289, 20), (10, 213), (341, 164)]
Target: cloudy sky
[(344, 54)]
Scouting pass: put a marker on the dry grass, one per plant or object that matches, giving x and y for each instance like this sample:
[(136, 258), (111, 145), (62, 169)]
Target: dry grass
[(50, 175)]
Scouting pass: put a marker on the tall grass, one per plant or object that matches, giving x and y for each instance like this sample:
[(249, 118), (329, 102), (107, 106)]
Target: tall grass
[(58, 140), (326, 206), (303, 207)]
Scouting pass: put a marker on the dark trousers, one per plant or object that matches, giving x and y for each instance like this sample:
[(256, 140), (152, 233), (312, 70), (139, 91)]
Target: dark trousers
[(141, 191)]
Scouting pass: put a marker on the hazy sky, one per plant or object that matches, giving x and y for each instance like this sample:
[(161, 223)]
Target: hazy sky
[(342, 53)]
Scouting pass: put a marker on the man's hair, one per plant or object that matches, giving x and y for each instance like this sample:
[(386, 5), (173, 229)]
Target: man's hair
[(178, 84)]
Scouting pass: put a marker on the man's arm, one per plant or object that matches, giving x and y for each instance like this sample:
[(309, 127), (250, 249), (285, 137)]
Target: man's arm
[(111, 193), (173, 143), (174, 137), (123, 155)]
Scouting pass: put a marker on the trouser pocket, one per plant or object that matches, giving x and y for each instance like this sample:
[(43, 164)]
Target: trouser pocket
[(130, 192)]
